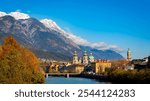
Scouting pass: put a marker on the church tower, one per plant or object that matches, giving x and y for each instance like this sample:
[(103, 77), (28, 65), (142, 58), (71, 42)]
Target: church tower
[(85, 58), (91, 58), (75, 58), (129, 55)]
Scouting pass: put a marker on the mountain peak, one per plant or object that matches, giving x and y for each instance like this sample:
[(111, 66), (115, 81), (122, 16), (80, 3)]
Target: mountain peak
[(50, 24), (2, 14), (17, 15)]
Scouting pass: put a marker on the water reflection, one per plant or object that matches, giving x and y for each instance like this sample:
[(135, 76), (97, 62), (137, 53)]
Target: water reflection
[(72, 80)]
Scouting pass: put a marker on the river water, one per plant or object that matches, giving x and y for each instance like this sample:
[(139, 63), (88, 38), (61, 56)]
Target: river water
[(72, 80)]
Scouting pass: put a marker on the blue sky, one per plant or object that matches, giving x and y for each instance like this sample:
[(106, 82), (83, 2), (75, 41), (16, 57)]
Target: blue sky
[(125, 23)]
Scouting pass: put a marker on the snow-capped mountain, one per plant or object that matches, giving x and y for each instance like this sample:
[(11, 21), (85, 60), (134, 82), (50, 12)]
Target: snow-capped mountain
[(50, 24), (17, 15), (53, 26), (2, 14), (46, 38)]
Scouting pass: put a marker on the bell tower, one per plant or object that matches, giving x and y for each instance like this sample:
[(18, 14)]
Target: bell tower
[(85, 58), (75, 58), (129, 55), (91, 58)]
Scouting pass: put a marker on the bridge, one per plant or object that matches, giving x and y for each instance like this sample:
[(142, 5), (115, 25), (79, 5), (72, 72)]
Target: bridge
[(62, 74)]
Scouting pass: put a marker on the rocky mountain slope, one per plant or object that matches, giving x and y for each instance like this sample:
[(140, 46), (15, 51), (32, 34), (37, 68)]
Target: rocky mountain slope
[(46, 39)]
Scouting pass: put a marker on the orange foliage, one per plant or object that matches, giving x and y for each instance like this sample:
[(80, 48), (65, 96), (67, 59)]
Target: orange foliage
[(18, 64), (27, 57), (30, 59)]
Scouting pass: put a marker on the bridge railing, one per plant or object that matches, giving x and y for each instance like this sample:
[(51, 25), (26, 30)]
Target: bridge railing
[(61, 74)]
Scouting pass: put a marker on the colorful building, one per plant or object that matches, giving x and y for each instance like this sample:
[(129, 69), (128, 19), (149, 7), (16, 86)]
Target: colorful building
[(79, 68), (100, 66), (76, 68)]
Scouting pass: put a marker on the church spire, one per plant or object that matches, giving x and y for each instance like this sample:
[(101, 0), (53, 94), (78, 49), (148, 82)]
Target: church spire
[(85, 58), (75, 58), (129, 55)]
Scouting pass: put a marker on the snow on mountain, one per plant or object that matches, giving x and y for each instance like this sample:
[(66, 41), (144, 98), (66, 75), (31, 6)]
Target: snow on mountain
[(78, 40), (2, 14), (53, 26), (17, 15), (50, 24)]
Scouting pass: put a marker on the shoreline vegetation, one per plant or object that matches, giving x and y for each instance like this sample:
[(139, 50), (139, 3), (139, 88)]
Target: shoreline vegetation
[(120, 76), (18, 65)]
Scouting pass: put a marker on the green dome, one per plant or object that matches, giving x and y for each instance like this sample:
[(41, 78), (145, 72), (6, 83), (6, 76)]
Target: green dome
[(91, 57)]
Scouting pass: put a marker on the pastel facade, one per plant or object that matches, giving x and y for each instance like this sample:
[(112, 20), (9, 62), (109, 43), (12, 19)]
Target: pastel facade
[(100, 66)]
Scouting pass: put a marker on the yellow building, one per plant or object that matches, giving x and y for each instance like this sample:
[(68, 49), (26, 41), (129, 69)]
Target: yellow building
[(99, 66), (54, 67), (79, 68), (76, 68)]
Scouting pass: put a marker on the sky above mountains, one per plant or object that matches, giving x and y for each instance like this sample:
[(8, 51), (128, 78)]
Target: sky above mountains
[(120, 24)]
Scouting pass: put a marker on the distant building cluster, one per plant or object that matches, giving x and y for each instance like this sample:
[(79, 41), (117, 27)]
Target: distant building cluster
[(96, 66), (137, 63), (88, 64), (141, 63)]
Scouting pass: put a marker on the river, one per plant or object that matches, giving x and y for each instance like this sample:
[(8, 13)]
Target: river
[(72, 80)]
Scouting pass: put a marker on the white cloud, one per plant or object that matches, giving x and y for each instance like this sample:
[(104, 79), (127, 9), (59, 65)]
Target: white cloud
[(104, 46), (78, 40), (17, 15), (96, 45)]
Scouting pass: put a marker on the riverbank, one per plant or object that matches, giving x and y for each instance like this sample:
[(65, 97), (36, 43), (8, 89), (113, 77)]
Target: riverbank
[(116, 80), (95, 77), (105, 78), (121, 76)]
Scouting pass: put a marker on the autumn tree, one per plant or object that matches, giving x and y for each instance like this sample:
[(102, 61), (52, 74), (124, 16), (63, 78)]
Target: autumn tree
[(18, 64)]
